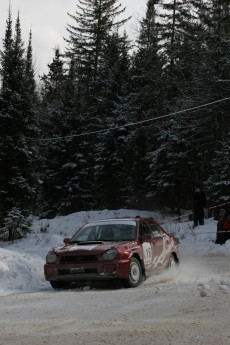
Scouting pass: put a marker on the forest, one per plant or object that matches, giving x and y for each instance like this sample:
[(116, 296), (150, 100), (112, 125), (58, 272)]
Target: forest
[(117, 123)]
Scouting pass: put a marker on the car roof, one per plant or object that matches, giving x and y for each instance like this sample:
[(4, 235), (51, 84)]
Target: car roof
[(137, 218)]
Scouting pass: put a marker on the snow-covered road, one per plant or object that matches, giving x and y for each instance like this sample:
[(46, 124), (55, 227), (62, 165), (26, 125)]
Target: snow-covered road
[(192, 309)]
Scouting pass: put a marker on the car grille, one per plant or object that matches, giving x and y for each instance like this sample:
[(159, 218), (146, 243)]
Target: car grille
[(86, 270), (79, 258)]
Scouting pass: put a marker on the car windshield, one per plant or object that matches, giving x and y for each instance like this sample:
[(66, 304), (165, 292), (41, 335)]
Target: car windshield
[(107, 231)]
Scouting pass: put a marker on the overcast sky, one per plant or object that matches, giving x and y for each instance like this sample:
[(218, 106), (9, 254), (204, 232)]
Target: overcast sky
[(48, 19)]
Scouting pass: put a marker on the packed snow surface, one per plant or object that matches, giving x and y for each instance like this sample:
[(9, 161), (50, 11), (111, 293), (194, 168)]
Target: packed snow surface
[(189, 307)]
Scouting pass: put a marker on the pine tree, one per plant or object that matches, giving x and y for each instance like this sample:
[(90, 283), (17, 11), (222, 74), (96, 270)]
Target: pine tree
[(217, 23), (6, 54), (147, 66), (52, 148), (16, 224), (94, 21), (66, 184), (182, 152), (16, 177), (218, 183), (112, 148), (52, 82), (146, 98), (29, 69)]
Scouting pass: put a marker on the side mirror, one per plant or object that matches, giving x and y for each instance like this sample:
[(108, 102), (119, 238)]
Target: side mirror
[(176, 239), (66, 240)]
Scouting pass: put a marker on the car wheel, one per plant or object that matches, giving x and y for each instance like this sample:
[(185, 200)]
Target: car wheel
[(172, 263), (59, 285), (135, 274)]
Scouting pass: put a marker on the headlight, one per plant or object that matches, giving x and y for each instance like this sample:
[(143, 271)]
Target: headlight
[(111, 254), (51, 258)]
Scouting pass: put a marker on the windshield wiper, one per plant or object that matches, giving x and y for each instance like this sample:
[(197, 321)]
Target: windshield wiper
[(86, 242)]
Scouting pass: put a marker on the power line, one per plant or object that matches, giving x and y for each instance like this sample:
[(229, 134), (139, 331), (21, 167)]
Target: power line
[(133, 123)]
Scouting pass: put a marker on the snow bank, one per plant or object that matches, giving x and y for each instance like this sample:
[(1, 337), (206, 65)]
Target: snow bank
[(20, 272)]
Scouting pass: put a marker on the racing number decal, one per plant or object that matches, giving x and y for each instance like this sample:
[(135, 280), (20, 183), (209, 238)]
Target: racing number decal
[(147, 253)]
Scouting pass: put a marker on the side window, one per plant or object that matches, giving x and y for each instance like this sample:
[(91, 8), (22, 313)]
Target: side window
[(144, 228), (156, 230)]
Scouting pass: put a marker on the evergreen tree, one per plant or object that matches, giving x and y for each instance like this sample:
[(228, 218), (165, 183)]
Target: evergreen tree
[(217, 23), (16, 225), (6, 54), (16, 177), (29, 70), (66, 184), (94, 20), (146, 98), (52, 148), (147, 67), (218, 181), (112, 148), (172, 177), (53, 81), (183, 145)]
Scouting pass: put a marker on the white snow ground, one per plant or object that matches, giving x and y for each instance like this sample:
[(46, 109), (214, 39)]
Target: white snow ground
[(21, 263), (190, 307)]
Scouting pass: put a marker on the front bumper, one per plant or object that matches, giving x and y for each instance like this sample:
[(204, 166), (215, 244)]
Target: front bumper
[(87, 272)]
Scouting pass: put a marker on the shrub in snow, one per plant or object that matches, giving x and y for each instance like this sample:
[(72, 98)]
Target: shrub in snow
[(16, 225)]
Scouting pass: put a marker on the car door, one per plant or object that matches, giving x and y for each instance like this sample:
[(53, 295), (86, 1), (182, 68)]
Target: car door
[(146, 241), (157, 245)]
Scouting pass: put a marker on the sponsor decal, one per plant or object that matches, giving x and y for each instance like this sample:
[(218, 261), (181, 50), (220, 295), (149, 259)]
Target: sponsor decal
[(147, 253), (159, 260)]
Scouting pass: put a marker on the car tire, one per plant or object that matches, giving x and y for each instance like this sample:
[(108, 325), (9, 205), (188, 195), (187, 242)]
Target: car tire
[(135, 274), (59, 285)]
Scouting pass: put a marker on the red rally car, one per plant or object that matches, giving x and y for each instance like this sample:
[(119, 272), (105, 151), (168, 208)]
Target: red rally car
[(125, 249)]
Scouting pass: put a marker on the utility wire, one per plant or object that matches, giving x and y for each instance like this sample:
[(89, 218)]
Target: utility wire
[(133, 123)]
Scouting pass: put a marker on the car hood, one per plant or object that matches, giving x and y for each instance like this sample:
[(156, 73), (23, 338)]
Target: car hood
[(94, 248)]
